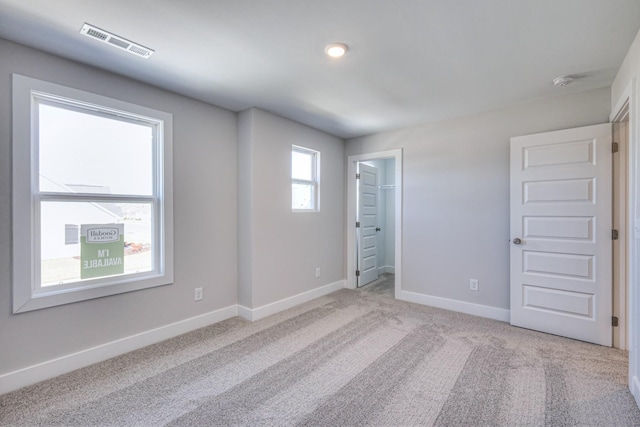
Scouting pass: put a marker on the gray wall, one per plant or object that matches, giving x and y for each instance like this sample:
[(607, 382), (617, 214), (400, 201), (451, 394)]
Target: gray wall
[(456, 192), (245, 207), (205, 221), (279, 257), (234, 201), (390, 214), (630, 69)]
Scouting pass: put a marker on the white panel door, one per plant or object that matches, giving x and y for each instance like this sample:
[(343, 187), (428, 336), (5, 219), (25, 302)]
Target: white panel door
[(561, 201), (368, 221)]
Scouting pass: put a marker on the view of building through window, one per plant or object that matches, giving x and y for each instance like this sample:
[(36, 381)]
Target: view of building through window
[(86, 159)]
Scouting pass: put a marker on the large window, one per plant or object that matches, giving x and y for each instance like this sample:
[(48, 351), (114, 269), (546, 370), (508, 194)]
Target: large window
[(92, 196), (305, 179)]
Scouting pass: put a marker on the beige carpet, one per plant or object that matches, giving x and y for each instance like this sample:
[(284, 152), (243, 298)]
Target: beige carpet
[(350, 358), (384, 286)]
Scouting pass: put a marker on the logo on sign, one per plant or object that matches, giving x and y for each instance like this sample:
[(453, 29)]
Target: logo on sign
[(103, 235)]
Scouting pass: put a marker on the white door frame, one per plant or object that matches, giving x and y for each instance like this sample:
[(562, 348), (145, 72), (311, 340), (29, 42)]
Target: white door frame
[(351, 213), (620, 222), (630, 95)]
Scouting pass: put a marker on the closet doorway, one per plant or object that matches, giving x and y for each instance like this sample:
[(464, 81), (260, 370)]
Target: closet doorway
[(374, 219)]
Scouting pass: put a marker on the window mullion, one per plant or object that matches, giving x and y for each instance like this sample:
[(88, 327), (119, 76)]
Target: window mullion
[(303, 182), (88, 197)]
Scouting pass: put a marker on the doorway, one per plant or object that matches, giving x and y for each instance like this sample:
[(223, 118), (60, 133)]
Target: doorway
[(389, 189)]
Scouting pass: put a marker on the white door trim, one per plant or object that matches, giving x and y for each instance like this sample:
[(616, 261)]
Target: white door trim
[(633, 233), (351, 213), (620, 222)]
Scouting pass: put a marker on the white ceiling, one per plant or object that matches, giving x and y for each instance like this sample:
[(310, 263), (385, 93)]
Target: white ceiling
[(410, 61)]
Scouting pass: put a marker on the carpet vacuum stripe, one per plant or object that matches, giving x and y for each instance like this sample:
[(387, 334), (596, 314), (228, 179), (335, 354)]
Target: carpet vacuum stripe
[(351, 358)]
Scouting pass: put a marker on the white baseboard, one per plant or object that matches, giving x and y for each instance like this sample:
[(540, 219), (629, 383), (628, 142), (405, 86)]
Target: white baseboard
[(52, 368), (455, 305), (32, 374), (278, 306), (386, 269)]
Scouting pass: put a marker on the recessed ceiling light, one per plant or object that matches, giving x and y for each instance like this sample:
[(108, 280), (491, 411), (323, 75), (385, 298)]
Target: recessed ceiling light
[(336, 50), (563, 80)]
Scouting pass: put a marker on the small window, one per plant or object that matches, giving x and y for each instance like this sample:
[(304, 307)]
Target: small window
[(305, 179), (92, 196)]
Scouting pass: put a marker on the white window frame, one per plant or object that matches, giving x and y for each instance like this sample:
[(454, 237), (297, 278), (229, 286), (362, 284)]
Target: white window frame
[(28, 294), (315, 178)]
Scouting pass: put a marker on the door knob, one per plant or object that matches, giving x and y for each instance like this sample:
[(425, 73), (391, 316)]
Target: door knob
[(517, 241), (378, 228)]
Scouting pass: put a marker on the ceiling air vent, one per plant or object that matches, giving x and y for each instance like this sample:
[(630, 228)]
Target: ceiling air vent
[(117, 41)]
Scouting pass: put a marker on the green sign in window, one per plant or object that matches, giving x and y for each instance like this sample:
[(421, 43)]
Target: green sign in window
[(101, 250)]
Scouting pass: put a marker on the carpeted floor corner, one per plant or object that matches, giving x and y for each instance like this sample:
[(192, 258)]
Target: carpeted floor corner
[(352, 358)]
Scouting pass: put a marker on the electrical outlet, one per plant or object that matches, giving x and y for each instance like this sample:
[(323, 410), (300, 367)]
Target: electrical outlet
[(198, 294), (317, 271), (473, 284)]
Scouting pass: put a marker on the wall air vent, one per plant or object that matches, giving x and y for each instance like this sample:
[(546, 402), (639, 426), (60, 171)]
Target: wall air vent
[(117, 41)]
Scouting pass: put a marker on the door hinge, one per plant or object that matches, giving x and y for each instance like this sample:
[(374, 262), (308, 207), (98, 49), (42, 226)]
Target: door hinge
[(357, 273), (357, 224), (614, 234), (614, 321), (357, 176), (615, 147)]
